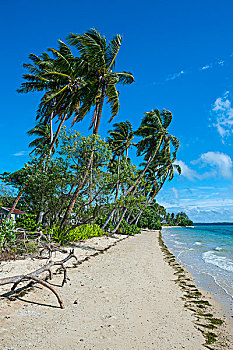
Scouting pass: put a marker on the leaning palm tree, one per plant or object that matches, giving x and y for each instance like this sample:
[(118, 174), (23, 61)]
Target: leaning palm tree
[(73, 85), (155, 142), (41, 69), (98, 59), (155, 137), (120, 139), (43, 140), (161, 170)]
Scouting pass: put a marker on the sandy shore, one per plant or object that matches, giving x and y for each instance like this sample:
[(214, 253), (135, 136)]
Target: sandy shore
[(124, 299)]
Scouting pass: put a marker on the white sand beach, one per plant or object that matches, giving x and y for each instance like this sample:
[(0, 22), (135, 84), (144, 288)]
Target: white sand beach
[(123, 299)]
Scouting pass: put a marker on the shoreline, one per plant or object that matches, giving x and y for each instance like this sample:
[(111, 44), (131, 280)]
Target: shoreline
[(194, 294), (122, 299), (203, 278)]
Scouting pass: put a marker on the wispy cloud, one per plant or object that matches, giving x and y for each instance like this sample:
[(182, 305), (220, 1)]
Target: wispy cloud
[(216, 164), (20, 153), (175, 75), (215, 63), (190, 174), (222, 113), (206, 67), (205, 205), (175, 192), (219, 161), (221, 63)]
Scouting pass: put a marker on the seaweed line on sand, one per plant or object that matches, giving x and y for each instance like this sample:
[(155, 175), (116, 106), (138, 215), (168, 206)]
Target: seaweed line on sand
[(205, 321)]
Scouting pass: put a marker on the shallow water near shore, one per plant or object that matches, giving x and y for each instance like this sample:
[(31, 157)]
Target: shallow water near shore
[(207, 252)]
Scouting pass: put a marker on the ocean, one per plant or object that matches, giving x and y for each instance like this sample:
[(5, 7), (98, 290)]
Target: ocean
[(207, 252)]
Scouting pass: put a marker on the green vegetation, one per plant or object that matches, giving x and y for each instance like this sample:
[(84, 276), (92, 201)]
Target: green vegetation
[(84, 232), (75, 180), (180, 219), (28, 222), (7, 234)]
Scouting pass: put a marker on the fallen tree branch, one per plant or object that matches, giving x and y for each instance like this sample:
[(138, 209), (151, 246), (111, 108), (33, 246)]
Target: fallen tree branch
[(34, 276)]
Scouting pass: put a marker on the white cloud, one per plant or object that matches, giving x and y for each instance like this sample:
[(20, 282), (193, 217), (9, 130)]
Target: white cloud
[(220, 161), (205, 67), (187, 172), (20, 153), (175, 75), (223, 115), (175, 192), (221, 62)]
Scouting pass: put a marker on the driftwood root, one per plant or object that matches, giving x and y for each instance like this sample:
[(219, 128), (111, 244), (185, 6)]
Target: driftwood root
[(34, 276)]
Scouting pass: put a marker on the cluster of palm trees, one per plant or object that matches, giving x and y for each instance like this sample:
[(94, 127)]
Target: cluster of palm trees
[(74, 85)]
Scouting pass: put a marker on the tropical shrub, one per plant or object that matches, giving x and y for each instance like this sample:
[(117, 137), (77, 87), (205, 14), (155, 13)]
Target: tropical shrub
[(101, 220), (126, 228), (154, 225), (7, 233), (57, 234), (84, 232), (150, 219), (28, 222)]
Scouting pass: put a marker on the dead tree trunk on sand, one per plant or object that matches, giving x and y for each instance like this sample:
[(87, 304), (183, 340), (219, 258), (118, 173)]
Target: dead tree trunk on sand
[(34, 276)]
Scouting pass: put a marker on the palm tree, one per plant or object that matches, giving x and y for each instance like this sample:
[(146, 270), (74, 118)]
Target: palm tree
[(155, 142), (43, 131), (50, 105), (98, 59), (73, 85), (120, 140), (153, 130), (121, 137)]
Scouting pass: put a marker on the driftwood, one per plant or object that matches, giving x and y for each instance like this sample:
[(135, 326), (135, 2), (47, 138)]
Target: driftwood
[(34, 276), (43, 242)]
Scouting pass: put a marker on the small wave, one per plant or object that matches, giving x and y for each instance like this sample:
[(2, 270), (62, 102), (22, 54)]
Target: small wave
[(218, 248), (219, 261), (178, 242), (191, 249), (198, 243)]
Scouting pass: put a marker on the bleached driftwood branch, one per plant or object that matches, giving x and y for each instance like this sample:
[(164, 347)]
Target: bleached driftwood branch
[(34, 276)]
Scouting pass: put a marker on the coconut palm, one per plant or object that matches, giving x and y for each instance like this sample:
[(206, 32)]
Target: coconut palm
[(43, 141), (155, 146), (39, 79), (73, 85), (98, 60), (120, 139), (155, 137)]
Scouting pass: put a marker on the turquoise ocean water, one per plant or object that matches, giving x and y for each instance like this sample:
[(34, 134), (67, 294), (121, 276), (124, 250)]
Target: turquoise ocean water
[(207, 252)]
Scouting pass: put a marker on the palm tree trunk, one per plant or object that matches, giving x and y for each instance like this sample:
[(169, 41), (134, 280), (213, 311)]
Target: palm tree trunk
[(51, 132), (76, 192), (120, 221), (150, 160), (99, 111), (108, 219), (118, 178)]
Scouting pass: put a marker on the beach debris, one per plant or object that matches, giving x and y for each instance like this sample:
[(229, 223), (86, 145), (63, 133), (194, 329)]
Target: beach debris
[(34, 276), (205, 321)]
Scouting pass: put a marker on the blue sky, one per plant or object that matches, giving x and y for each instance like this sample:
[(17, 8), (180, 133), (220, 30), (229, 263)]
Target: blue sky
[(181, 55)]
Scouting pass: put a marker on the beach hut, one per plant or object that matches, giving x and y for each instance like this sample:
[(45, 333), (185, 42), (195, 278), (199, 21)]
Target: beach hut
[(14, 215)]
